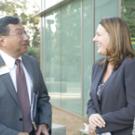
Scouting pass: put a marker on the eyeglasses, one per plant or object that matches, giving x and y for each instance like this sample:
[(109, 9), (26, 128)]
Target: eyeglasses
[(19, 33)]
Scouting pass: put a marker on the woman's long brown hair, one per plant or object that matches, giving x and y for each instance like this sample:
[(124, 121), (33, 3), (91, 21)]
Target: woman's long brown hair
[(120, 42)]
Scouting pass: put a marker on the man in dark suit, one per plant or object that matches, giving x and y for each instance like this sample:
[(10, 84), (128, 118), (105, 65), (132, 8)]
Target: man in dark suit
[(13, 44)]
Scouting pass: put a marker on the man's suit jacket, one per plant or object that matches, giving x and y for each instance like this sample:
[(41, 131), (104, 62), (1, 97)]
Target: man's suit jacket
[(117, 105), (10, 114)]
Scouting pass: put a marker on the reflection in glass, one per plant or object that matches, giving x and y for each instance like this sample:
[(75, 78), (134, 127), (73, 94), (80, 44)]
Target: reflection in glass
[(63, 56)]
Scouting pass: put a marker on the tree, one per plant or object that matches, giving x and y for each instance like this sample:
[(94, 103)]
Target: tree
[(128, 14)]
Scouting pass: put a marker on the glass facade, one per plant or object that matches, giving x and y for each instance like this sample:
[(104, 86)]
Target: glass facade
[(67, 51)]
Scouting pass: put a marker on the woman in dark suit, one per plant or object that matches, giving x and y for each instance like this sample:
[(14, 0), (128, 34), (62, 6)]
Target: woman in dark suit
[(111, 107)]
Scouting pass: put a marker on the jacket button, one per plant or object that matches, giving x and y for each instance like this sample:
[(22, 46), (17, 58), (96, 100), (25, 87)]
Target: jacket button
[(20, 119)]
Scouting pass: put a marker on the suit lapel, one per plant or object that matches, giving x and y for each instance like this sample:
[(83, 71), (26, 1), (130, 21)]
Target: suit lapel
[(98, 77), (10, 87), (29, 69), (6, 79)]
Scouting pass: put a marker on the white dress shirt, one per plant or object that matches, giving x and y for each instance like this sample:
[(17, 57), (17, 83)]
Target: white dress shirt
[(10, 67)]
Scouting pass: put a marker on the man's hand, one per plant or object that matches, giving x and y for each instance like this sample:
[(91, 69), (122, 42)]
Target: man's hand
[(42, 130)]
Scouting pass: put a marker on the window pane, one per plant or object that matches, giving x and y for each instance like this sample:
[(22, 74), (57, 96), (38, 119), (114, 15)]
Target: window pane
[(63, 56)]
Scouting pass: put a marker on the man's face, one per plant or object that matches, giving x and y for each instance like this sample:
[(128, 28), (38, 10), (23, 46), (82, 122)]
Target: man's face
[(16, 42)]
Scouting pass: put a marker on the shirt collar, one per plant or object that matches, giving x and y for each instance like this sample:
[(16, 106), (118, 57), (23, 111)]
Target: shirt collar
[(9, 60)]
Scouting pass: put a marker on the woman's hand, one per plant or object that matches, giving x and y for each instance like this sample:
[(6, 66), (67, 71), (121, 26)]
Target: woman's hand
[(95, 120), (94, 133), (42, 130), (92, 129)]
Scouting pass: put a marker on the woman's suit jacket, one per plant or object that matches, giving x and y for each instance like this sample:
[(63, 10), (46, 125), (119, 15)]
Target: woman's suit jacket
[(10, 113), (117, 105)]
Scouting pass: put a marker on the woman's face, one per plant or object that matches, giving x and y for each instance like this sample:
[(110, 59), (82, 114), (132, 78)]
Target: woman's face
[(101, 40)]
